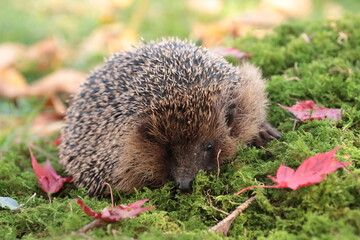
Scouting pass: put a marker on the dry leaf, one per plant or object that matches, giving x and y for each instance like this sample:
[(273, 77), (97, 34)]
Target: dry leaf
[(57, 104), (333, 10), (47, 123), (257, 22), (230, 52), (12, 83), (118, 212), (262, 17), (108, 39), (205, 6), (289, 8), (213, 34), (10, 53), (225, 224), (61, 81), (108, 10), (342, 38), (46, 54), (126, 41)]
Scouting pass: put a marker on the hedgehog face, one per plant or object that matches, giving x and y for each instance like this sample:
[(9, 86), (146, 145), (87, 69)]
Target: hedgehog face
[(192, 136), (186, 160)]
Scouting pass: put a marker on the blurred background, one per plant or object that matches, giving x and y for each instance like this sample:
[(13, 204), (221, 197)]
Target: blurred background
[(47, 47)]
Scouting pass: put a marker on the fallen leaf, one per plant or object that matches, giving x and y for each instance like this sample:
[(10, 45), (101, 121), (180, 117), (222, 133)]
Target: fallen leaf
[(57, 104), (48, 129), (342, 38), (113, 214), (230, 52), (225, 224), (45, 54), (210, 34), (10, 54), (289, 8), (108, 39), (61, 81), (333, 11), (313, 170), (12, 83), (308, 110), (205, 7), (6, 202), (48, 179), (57, 141), (46, 123)]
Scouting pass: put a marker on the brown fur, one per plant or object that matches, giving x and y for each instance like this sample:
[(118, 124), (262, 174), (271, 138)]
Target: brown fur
[(164, 110)]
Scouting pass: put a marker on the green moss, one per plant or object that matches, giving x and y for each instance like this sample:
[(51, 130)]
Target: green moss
[(322, 69)]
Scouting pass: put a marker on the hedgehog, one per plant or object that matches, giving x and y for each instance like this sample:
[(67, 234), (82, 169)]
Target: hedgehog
[(162, 111)]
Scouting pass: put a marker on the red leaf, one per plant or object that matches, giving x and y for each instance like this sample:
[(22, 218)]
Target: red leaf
[(113, 214), (48, 179), (308, 110), (230, 52), (312, 170), (57, 141)]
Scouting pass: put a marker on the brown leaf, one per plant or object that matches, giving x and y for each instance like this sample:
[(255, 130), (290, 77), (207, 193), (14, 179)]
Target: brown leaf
[(108, 39), (214, 33), (57, 104), (47, 123), (46, 54), (61, 81), (225, 224), (10, 53), (206, 7), (289, 8), (12, 83), (333, 10)]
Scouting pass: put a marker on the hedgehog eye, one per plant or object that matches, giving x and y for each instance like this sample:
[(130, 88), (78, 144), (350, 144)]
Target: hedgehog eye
[(208, 146)]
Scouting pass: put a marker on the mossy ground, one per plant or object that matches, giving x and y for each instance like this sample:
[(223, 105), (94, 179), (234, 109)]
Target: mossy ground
[(325, 69)]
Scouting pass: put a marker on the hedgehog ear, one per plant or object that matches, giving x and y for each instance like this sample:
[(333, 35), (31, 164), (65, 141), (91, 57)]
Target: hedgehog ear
[(230, 113)]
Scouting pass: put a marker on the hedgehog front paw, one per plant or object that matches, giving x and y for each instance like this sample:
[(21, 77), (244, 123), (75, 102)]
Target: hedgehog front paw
[(265, 135)]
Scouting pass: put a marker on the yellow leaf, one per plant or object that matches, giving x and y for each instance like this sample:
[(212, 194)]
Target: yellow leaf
[(12, 83)]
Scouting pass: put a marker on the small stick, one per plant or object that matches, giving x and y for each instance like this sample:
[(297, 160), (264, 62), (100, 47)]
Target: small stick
[(91, 225), (219, 210), (224, 225), (74, 234), (294, 124), (218, 164), (215, 208)]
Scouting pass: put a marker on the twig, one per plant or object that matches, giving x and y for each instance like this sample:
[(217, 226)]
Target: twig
[(32, 196), (219, 210), (91, 225), (70, 205), (74, 234), (294, 124), (215, 208), (218, 164), (224, 225)]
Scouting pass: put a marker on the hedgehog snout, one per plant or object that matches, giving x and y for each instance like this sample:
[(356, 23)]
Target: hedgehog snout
[(184, 183), (183, 178)]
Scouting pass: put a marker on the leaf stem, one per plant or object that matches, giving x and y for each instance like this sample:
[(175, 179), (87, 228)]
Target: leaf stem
[(111, 194)]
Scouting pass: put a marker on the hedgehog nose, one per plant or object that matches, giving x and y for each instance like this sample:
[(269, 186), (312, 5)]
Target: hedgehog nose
[(184, 184)]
